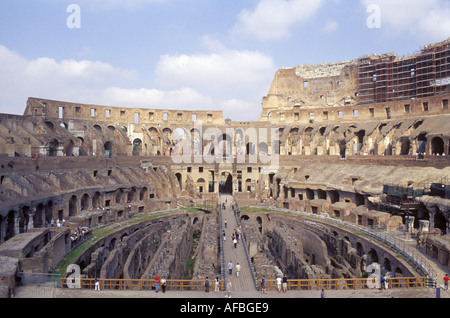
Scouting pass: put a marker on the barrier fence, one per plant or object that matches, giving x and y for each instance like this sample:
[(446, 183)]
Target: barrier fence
[(199, 285)]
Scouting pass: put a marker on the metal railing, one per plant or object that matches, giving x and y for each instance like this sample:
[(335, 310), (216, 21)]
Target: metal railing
[(199, 285), (411, 254)]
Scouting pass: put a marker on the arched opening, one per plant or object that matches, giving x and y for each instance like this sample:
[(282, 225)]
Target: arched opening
[(437, 146), (334, 196), (422, 143), (373, 256), (38, 216), (360, 134), (405, 146), (108, 149), (439, 221), (342, 148), (131, 197), (84, 202), (178, 176), (143, 194), (96, 200), (53, 148), (201, 185), (137, 147), (119, 195), (226, 184), (10, 228), (72, 206)]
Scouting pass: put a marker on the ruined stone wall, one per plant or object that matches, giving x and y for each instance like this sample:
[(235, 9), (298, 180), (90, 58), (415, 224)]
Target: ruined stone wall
[(37, 107), (304, 249)]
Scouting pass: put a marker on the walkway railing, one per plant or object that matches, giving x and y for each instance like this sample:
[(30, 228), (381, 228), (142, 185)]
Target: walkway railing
[(199, 285), (412, 255)]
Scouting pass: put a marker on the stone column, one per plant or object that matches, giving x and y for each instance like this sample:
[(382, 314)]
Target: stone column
[(424, 226)]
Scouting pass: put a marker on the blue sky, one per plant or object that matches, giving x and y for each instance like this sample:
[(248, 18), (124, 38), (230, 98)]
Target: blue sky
[(193, 54)]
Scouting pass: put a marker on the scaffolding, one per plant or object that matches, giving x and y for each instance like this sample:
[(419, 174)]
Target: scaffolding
[(389, 78)]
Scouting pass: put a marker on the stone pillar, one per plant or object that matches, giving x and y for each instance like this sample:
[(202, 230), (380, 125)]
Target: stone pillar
[(424, 226), (409, 222)]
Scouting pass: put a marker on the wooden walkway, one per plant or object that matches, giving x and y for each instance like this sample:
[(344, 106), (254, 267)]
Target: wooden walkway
[(236, 254)]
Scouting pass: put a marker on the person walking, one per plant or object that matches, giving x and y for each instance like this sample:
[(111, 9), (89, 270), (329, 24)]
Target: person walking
[(217, 285), (229, 288), (206, 285), (322, 294), (230, 267), (157, 282), (279, 284), (446, 278), (284, 283), (238, 269), (263, 285), (97, 284), (163, 285)]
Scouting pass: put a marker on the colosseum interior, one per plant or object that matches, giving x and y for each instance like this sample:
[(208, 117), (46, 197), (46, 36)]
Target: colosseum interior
[(365, 141)]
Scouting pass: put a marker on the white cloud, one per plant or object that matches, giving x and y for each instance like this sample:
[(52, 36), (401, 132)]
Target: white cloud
[(106, 5), (183, 98), (232, 81), (222, 73), (428, 20), (273, 19), (330, 26)]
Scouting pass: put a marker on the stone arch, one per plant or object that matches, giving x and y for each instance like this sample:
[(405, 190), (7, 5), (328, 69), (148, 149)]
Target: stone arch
[(201, 185), (24, 219), (405, 146), (10, 225), (372, 256), (84, 202), (437, 146), (108, 147), (73, 201), (143, 194), (38, 218), (96, 200), (137, 147), (422, 143), (131, 195), (179, 179), (52, 147)]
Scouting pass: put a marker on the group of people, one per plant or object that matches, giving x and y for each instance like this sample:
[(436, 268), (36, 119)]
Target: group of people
[(58, 223), (282, 284), (160, 283), (80, 235)]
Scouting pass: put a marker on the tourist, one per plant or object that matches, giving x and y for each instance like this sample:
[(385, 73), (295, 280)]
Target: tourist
[(97, 284), (322, 294), (279, 284), (386, 282), (230, 267), (206, 285), (284, 283), (217, 285), (163, 285), (229, 287), (235, 242), (263, 285), (157, 282), (446, 278), (226, 222), (238, 269), (224, 236)]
